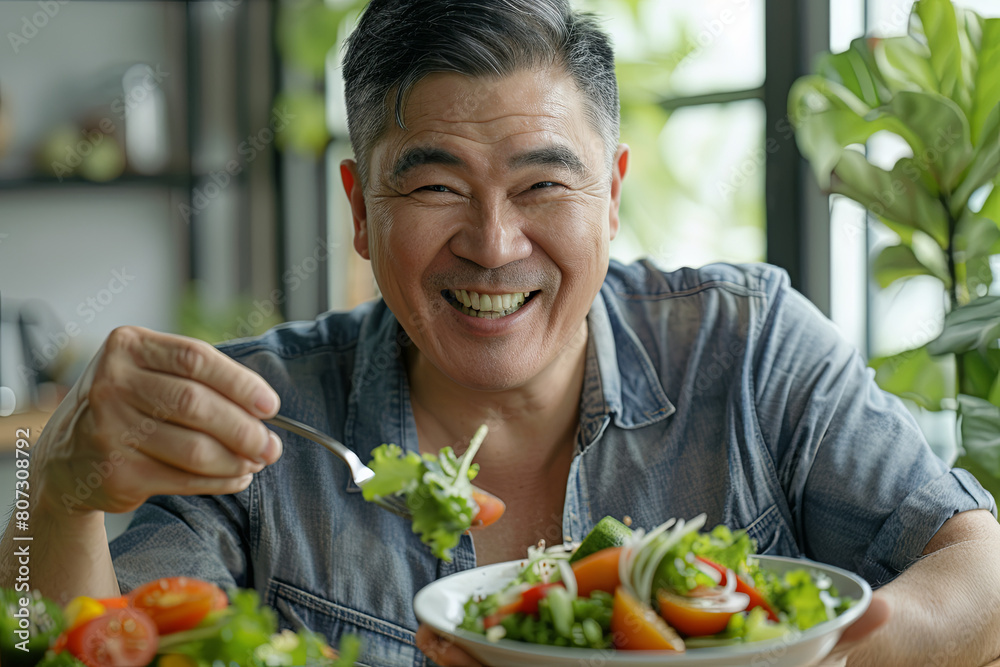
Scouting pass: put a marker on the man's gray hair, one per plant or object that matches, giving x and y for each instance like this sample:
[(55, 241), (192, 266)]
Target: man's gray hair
[(398, 42)]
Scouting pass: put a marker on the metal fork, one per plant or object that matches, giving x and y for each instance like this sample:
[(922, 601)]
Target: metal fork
[(359, 471)]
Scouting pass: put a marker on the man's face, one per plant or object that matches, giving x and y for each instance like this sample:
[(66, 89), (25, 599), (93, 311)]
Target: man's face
[(498, 188)]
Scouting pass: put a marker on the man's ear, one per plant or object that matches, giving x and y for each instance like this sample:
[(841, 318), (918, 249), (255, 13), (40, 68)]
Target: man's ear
[(618, 169), (356, 197)]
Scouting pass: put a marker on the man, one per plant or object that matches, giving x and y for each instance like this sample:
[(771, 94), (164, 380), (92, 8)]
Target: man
[(485, 192)]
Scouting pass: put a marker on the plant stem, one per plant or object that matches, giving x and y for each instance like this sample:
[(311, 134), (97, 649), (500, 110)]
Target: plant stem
[(953, 290)]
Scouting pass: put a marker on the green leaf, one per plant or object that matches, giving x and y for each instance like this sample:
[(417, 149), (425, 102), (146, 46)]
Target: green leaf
[(994, 394), (905, 64), (917, 376), (981, 432), (898, 194), (986, 91), (828, 117), (855, 69), (985, 163), (972, 326), (978, 374), (940, 28), (976, 236), (943, 130), (991, 207), (896, 262)]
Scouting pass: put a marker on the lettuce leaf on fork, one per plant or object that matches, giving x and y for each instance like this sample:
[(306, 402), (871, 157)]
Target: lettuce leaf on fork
[(437, 489)]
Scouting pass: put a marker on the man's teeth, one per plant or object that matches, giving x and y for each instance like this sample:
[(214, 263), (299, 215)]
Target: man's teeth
[(490, 306)]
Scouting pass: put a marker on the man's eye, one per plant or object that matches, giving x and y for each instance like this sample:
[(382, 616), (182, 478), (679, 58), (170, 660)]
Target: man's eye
[(544, 184), (434, 188)]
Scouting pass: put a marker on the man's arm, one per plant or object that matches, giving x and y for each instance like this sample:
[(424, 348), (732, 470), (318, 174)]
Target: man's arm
[(153, 414), (945, 607)]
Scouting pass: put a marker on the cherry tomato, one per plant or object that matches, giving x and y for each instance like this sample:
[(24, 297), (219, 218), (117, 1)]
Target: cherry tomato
[(598, 572), (697, 617), (177, 603), (636, 627), (120, 638), (491, 508), (526, 603), (756, 599)]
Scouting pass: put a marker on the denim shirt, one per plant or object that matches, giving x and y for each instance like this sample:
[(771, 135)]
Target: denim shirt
[(718, 390)]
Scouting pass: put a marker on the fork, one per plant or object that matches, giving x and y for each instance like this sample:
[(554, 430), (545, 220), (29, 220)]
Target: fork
[(361, 473)]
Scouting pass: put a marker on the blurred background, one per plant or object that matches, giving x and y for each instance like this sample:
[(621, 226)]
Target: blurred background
[(173, 165)]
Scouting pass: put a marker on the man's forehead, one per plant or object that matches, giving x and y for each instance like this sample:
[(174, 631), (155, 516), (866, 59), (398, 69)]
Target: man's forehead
[(523, 96), (537, 116)]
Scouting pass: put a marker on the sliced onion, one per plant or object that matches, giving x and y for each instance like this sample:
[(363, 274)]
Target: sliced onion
[(568, 577)]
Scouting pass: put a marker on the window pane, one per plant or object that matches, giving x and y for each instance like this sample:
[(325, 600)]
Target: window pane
[(705, 47), (693, 193)]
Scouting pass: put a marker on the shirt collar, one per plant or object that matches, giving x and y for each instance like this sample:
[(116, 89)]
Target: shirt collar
[(620, 378)]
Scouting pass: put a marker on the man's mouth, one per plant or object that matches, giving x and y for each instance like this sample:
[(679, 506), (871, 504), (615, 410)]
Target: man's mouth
[(487, 306)]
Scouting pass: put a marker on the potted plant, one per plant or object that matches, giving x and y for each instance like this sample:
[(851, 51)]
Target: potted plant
[(938, 89)]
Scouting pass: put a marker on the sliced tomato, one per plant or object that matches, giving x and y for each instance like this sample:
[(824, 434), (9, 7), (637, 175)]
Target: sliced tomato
[(491, 508), (742, 586), (598, 572), (636, 627), (526, 603), (115, 603), (120, 638), (177, 603), (698, 617)]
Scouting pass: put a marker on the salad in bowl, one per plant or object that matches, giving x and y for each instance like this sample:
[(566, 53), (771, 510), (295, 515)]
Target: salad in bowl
[(672, 595)]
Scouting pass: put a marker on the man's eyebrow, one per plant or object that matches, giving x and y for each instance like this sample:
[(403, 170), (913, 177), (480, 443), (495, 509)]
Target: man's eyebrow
[(548, 156), (421, 155)]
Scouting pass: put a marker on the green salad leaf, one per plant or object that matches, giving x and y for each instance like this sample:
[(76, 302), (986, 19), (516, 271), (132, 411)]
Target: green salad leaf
[(244, 634), (720, 545), (437, 489)]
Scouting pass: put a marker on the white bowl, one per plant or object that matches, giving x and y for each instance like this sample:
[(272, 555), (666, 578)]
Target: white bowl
[(441, 606)]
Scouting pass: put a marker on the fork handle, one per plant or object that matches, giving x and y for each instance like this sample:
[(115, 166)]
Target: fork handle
[(359, 471)]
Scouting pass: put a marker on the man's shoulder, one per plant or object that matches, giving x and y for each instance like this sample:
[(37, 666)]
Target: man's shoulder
[(644, 281), (332, 332)]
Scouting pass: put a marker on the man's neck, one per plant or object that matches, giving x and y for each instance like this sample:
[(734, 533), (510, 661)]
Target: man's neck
[(533, 421)]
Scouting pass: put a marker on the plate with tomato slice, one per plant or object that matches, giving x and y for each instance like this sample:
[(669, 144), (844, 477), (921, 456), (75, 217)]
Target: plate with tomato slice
[(442, 605)]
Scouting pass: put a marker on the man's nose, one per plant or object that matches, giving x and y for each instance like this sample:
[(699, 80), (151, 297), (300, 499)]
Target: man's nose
[(492, 235)]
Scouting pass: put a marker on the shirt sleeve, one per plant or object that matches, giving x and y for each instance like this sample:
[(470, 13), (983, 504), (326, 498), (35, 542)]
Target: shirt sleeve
[(205, 537), (864, 489)]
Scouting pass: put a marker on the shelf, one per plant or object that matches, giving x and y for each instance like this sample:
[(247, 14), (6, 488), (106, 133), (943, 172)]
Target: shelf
[(127, 180)]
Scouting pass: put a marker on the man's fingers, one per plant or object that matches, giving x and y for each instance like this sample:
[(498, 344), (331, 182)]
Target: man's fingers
[(199, 361), (877, 615), (442, 651), (187, 403), (194, 452)]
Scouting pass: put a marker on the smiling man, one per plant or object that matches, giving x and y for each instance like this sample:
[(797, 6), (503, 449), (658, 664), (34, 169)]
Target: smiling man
[(485, 192)]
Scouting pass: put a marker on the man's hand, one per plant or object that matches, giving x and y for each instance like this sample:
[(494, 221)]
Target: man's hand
[(877, 615), (945, 608), (442, 651), (155, 414)]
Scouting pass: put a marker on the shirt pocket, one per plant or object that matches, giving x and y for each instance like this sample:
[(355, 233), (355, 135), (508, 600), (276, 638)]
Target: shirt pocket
[(771, 534), (383, 644)]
